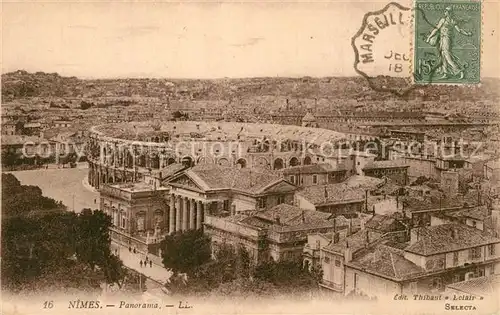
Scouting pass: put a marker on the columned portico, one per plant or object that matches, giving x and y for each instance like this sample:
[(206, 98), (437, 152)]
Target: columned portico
[(185, 214), (178, 211), (199, 215), (192, 214), (171, 228)]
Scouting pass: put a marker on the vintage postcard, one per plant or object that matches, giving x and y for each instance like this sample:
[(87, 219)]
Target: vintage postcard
[(250, 157)]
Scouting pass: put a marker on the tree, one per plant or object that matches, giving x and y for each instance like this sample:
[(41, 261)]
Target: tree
[(93, 239), (185, 251)]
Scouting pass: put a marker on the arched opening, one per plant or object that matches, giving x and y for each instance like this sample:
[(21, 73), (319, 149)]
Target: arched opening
[(278, 164), (262, 162), (110, 180), (307, 160), (187, 161), (103, 178), (294, 161), (241, 163), (223, 162), (170, 160)]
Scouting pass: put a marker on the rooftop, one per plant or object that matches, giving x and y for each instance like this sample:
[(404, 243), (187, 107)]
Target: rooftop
[(384, 223), (310, 169), (386, 261), (252, 180), (478, 213), (482, 286), (385, 164), (19, 140), (331, 194), (364, 182), (450, 237)]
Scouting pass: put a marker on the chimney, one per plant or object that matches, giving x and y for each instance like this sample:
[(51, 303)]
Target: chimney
[(414, 235), (454, 233), (366, 201), (347, 252), (336, 237), (277, 219)]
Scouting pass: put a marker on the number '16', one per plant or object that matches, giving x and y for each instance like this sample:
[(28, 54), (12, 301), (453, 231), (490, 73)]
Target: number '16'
[(48, 304)]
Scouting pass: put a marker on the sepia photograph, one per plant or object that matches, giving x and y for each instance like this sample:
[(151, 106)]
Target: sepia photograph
[(250, 157)]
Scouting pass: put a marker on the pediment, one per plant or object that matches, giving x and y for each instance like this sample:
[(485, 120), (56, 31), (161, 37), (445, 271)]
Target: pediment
[(185, 181)]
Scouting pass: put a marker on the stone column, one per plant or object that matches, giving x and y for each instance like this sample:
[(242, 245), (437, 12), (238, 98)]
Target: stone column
[(171, 219), (178, 205), (199, 215), (192, 214), (185, 214)]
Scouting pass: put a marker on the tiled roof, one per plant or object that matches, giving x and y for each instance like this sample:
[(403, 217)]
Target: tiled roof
[(478, 213), (19, 140), (289, 215), (384, 224), (387, 262), (482, 286), (169, 170), (448, 237), (245, 179), (335, 193), (310, 169), (385, 164), (354, 241), (364, 182)]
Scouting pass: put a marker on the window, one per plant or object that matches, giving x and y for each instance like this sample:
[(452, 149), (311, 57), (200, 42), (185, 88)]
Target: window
[(455, 258), (226, 205), (337, 263), (262, 202), (475, 253), (315, 179), (292, 179), (356, 280), (123, 223), (474, 224), (281, 199), (326, 260), (491, 249)]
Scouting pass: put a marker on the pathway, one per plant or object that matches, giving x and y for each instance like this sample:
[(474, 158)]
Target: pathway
[(155, 272)]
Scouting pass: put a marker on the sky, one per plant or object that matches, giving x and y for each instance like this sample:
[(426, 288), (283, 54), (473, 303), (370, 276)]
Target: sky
[(196, 39)]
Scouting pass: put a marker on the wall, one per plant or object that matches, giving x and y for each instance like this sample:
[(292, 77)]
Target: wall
[(333, 275), (303, 203), (420, 167), (370, 284)]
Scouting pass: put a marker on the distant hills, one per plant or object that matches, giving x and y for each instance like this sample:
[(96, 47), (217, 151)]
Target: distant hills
[(21, 84)]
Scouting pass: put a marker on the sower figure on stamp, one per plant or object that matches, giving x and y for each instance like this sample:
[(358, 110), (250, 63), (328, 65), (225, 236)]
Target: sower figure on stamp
[(442, 37)]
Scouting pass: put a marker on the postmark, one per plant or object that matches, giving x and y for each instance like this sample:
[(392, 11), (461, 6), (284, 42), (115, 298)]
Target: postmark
[(382, 49), (447, 42)]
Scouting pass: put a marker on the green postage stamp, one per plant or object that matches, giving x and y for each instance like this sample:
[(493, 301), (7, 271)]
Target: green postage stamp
[(447, 43)]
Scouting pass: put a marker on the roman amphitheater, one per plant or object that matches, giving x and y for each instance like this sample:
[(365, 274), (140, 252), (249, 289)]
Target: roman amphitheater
[(125, 152)]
